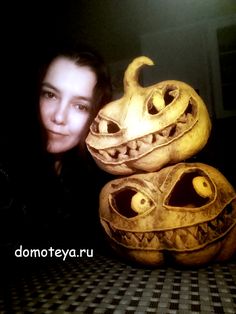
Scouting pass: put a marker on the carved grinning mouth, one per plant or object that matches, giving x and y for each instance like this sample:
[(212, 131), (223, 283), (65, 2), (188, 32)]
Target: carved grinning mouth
[(141, 146), (179, 239)]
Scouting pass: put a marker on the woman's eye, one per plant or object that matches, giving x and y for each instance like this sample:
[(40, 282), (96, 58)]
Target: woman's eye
[(81, 107), (48, 94)]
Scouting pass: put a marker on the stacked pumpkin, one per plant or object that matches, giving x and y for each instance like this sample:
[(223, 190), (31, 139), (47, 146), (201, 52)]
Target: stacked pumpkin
[(161, 208)]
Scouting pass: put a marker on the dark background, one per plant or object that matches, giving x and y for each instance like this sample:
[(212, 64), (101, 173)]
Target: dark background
[(115, 28)]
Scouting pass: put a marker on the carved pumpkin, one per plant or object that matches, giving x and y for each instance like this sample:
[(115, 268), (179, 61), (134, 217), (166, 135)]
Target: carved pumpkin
[(185, 213), (149, 127)]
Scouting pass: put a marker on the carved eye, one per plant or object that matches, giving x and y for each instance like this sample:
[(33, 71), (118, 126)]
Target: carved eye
[(194, 189), (104, 126), (130, 203), (202, 186), (158, 101), (140, 203)]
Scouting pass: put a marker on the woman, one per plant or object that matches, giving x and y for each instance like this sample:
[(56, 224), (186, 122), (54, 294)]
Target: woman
[(74, 85), (61, 193)]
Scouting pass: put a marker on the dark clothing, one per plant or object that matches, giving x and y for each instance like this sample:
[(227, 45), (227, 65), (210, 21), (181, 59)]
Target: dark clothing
[(42, 210)]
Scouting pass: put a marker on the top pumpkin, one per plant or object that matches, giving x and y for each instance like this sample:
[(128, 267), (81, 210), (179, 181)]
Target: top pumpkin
[(149, 127)]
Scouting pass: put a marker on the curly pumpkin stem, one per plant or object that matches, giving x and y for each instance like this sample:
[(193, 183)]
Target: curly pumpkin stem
[(132, 72)]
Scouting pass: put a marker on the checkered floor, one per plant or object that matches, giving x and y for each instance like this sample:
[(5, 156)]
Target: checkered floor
[(104, 284)]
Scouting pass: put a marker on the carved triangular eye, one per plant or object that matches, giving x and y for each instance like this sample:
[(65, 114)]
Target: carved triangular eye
[(158, 101), (170, 94), (193, 190)]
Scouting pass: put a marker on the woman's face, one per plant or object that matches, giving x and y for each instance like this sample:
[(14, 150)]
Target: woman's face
[(65, 103)]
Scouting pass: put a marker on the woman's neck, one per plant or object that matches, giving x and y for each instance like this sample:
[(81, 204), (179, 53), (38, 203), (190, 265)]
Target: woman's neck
[(58, 164)]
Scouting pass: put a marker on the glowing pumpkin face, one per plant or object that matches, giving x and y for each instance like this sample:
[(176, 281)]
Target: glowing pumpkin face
[(149, 127), (185, 212)]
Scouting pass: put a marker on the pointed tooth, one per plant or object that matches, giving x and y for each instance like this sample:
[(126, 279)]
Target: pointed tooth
[(166, 131), (139, 235), (154, 243), (111, 151), (191, 241), (105, 154), (150, 235), (126, 240), (189, 117), (204, 227), (132, 144), (148, 139), (213, 224), (133, 153), (134, 240), (139, 143), (145, 242), (169, 234), (182, 118), (122, 157), (179, 128), (159, 139), (193, 230), (143, 147), (179, 242), (129, 235), (168, 238), (122, 149)]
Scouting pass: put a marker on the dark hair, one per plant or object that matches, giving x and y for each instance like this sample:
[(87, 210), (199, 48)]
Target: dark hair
[(83, 55)]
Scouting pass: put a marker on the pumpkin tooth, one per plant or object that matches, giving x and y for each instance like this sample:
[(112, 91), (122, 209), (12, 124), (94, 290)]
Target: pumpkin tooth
[(111, 151), (135, 239), (133, 153), (213, 224), (139, 235), (179, 242), (193, 230), (159, 139), (143, 147), (132, 144), (145, 242), (204, 227), (122, 149), (148, 139), (129, 235), (150, 235), (169, 237), (167, 131), (122, 157), (189, 118), (105, 154), (182, 118), (179, 128), (154, 243), (191, 241)]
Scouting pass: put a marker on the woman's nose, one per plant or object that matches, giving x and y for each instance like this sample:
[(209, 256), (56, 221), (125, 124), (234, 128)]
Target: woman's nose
[(59, 115)]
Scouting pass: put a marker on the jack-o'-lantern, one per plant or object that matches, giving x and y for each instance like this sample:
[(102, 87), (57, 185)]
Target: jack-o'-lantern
[(184, 213), (149, 127)]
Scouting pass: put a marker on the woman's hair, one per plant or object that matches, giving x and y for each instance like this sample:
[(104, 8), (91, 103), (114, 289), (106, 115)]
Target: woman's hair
[(82, 55)]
